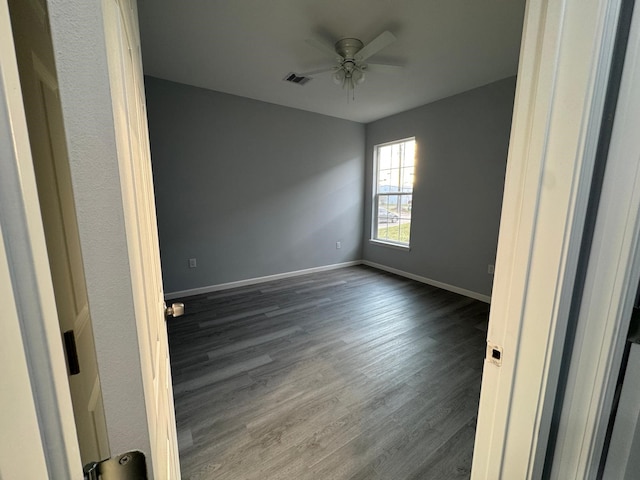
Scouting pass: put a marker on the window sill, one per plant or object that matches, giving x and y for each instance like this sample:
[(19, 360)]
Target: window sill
[(397, 246)]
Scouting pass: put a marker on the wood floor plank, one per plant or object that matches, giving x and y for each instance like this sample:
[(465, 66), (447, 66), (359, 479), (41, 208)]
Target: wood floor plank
[(252, 342), (345, 374), (217, 375), (237, 316)]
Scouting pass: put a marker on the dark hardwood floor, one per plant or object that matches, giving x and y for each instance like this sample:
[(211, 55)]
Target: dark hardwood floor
[(346, 374)]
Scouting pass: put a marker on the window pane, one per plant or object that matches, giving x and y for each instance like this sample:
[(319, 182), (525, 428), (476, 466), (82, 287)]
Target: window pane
[(396, 155), (385, 180), (384, 158), (406, 179), (394, 218)]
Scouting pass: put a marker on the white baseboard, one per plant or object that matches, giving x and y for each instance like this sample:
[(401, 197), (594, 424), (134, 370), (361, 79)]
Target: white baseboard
[(268, 278), (428, 281), (252, 281)]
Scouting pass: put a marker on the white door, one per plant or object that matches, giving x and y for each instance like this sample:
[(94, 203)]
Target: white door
[(38, 437), (125, 72), (44, 120)]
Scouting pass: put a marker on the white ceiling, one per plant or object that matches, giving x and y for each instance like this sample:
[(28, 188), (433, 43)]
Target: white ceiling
[(246, 47)]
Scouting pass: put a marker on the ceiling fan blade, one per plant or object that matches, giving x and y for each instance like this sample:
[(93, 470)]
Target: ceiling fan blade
[(324, 47), (381, 41), (383, 67), (317, 72)]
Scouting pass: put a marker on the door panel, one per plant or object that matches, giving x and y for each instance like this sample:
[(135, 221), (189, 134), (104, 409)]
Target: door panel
[(125, 71)]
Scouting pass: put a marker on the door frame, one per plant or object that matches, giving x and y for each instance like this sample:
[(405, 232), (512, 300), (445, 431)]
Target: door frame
[(566, 55), (610, 288)]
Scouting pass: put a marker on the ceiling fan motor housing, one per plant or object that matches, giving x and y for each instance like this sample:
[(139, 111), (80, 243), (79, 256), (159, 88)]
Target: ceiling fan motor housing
[(347, 48)]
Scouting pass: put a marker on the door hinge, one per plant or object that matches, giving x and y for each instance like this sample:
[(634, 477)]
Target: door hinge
[(128, 466)]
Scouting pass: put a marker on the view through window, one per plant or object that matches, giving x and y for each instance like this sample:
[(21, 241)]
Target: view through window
[(393, 190)]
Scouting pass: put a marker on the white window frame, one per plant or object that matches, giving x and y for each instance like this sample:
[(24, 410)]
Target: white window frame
[(376, 197)]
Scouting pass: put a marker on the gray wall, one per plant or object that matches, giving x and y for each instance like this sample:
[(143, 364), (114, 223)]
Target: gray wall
[(462, 143), (249, 188)]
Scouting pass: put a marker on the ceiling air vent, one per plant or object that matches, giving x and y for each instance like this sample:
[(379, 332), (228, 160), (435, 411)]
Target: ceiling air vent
[(293, 78)]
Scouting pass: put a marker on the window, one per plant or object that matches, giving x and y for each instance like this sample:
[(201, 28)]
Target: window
[(393, 191)]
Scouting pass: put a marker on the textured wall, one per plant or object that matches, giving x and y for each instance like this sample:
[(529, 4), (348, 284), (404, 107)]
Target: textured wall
[(250, 189), (462, 143)]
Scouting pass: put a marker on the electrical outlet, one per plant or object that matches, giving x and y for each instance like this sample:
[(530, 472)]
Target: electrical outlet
[(192, 263), (491, 269), (338, 245)]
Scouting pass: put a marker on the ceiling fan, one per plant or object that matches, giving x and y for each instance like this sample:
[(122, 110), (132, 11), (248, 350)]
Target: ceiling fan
[(351, 55)]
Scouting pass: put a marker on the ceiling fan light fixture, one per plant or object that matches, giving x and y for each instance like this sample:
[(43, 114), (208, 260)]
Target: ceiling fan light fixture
[(358, 76), (339, 77)]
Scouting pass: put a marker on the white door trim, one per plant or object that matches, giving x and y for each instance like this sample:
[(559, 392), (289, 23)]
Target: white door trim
[(610, 287), (564, 64), (18, 413), (55, 451)]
